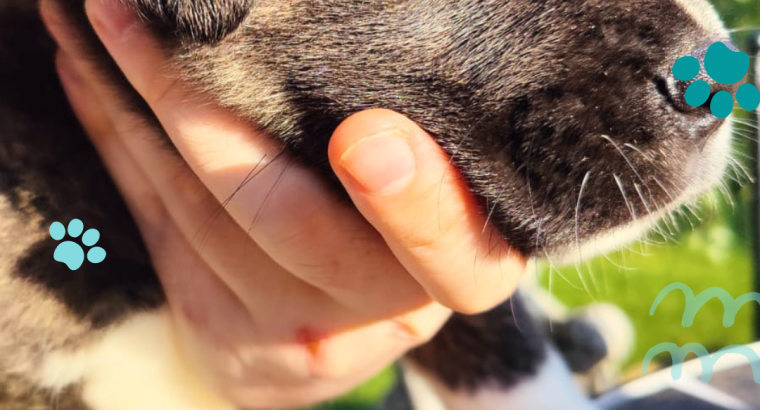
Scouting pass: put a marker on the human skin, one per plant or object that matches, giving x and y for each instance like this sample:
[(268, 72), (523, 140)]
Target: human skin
[(278, 296)]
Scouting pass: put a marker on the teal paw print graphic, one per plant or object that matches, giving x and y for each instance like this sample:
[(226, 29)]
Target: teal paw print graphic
[(724, 66), (71, 253)]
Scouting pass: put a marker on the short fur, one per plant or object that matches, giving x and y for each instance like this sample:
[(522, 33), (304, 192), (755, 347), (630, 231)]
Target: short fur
[(559, 114)]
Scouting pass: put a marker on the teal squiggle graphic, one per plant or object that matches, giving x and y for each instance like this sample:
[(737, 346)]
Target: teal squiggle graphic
[(678, 354), (693, 303)]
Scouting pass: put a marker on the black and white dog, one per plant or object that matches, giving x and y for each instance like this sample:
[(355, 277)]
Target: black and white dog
[(558, 98)]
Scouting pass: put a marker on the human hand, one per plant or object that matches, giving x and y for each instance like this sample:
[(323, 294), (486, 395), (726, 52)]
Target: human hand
[(281, 293)]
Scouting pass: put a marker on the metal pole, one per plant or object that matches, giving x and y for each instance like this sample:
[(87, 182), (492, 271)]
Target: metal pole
[(754, 50)]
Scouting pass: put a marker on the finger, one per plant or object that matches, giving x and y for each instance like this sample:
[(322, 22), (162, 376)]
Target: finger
[(405, 185), (282, 205), (144, 203), (157, 229), (341, 361), (215, 314), (140, 195), (291, 359), (138, 164), (328, 355), (246, 269)]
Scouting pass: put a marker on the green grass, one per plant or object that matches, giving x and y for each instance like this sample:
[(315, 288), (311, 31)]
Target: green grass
[(709, 257)]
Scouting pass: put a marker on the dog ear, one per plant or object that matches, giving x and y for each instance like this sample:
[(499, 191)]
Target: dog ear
[(200, 21)]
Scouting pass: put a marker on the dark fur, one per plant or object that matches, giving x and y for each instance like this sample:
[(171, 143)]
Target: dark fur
[(49, 172), (519, 101), (517, 92), (501, 345)]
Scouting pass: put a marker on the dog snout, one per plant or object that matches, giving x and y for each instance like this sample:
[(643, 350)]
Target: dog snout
[(715, 86), (676, 91)]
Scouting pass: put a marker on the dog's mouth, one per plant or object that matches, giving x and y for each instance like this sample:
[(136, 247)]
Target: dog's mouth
[(597, 159), (595, 177), (706, 170)]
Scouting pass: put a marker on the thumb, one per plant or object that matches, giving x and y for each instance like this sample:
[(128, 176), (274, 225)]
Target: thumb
[(406, 187)]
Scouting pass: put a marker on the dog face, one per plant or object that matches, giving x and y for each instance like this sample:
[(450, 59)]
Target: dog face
[(563, 116)]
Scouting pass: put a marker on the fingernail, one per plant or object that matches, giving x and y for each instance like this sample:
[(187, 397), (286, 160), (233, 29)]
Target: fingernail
[(383, 164), (110, 17)]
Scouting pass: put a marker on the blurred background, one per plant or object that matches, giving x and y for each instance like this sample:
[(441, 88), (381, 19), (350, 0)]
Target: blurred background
[(712, 246)]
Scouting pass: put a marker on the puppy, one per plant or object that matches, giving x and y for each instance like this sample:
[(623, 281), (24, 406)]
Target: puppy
[(563, 117)]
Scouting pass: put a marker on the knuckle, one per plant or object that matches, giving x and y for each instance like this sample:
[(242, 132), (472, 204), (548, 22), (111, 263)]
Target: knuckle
[(322, 362), (410, 333), (329, 366), (472, 305), (161, 91), (428, 234), (417, 241)]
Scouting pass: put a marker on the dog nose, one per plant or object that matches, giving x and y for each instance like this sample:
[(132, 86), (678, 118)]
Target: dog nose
[(690, 89), (725, 79)]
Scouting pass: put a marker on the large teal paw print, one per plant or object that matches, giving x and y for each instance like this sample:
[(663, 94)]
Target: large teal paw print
[(71, 253), (724, 66)]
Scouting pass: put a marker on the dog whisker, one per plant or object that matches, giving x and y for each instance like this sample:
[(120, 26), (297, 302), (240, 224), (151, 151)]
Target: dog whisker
[(584, 183)]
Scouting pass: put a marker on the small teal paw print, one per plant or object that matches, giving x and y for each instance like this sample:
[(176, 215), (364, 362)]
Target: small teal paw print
[(71, 253), (724, 66)]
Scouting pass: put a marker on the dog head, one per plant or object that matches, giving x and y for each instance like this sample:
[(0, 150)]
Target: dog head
[(563, 116)]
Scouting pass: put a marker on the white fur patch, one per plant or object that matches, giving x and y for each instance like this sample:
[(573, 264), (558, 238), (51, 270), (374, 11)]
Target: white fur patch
[(134, 366), (704, 14), (552, 388), (422, 394)]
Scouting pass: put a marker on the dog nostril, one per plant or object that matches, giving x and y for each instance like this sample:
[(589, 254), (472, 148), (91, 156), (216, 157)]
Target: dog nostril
[(699, 121), (725, 60), (701, 99), (719, 70), (685, 98)]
